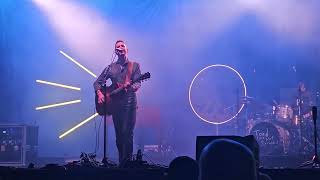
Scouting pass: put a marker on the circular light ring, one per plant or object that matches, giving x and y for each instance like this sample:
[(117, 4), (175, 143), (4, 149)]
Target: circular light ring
[(244, 88)]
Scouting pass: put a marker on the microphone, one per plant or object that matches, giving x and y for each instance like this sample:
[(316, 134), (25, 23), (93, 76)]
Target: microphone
[(118, 50), (314, 112)]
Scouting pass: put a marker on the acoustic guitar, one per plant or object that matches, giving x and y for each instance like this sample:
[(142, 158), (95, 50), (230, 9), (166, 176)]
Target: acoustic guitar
[(106, 108)]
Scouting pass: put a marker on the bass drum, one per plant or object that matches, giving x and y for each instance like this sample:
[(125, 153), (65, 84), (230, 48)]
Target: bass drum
[(272, 139)]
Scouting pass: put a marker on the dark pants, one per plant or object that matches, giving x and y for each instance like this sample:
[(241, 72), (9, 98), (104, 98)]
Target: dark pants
[(124, 119)]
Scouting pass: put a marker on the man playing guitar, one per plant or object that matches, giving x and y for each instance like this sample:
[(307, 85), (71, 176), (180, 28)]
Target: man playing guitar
[(124, 103)]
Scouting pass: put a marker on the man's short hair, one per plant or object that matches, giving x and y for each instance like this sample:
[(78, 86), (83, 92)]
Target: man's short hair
[(119, 41)]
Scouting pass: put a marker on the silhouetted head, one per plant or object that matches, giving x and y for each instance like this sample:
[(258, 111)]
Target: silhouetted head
[(225, 159), (183, 168)]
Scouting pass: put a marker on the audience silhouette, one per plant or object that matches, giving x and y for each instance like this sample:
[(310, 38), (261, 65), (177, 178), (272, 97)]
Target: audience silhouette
[(225, 159), (183, 168)]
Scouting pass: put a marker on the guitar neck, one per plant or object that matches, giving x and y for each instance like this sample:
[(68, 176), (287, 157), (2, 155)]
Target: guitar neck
[(116, 91), (141, 78)]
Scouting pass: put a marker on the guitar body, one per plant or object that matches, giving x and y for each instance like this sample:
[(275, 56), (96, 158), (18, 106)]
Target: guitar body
[(105, 108)]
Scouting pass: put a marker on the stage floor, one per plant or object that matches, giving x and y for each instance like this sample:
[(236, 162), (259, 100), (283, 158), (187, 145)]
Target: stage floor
[(82, 172)]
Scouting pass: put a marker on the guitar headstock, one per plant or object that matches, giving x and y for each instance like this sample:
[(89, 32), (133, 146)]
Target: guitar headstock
[(144, 77)]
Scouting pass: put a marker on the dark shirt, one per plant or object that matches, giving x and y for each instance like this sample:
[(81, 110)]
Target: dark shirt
[(117, 74)]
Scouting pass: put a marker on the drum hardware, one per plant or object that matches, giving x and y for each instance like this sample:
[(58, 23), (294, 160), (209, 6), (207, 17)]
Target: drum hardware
[(296, 120), (281, 128), (310, 145), (273, 110), (299, 102), (315, 162), (290, 127), (241, 126)]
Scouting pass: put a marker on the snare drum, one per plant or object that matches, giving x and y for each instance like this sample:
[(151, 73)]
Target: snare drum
[(284, 113)]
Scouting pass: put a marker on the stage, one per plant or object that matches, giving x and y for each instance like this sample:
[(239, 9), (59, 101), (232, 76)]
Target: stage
[(143, 79), (76, 173)]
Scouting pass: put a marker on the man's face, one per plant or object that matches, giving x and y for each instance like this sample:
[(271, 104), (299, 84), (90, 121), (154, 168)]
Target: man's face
[(121, 49)]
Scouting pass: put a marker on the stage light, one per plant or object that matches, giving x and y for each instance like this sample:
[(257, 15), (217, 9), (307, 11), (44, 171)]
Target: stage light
[(78, 125), (58, 85), (68, 102), (252, 3), (244, 95), (58, 104), (77, 63)]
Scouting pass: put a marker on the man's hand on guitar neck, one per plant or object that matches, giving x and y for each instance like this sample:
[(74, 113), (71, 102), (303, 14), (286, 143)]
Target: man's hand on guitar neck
[(101, 97), (127, 85)]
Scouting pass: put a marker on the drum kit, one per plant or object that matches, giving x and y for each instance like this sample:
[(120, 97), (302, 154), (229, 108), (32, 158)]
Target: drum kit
[(281, 129)]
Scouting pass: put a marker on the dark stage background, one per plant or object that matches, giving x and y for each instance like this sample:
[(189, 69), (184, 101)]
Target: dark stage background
[(274, 45)]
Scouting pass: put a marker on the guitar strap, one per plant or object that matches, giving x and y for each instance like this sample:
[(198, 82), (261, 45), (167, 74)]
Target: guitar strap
[(129, 72)]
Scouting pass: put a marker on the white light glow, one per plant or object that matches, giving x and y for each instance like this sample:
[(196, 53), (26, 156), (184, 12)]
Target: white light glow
[(78, 125), (78, 64), (252, 4), (211, 121), (58, 104), (58, 85), (80, 28)]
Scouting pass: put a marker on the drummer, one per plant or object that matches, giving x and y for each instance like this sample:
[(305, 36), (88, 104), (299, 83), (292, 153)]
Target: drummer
[(304, 100)]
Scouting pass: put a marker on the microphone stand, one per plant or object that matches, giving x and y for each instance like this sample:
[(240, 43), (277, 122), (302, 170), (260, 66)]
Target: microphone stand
[(317, 104), (105, 160), (315, 162), (105, 139), (237, 117)]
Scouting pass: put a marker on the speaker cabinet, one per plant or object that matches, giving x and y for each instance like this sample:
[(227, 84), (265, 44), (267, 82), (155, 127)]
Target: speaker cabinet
[(18, 144)]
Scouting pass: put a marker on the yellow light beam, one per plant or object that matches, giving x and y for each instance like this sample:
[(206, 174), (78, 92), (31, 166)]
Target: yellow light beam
[(58, 85), (78, 125), (58, 104), (81, 66)]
